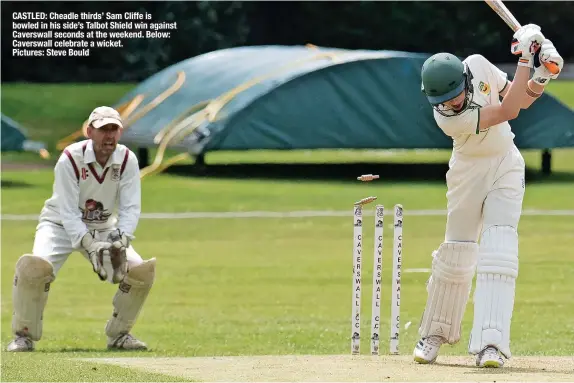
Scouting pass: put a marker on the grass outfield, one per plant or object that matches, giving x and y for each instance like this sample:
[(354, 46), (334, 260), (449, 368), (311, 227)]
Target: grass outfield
[(273, 286), (222, 290)]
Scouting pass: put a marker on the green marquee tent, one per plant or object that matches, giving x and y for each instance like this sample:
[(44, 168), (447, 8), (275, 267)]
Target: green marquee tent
[(300, 97)]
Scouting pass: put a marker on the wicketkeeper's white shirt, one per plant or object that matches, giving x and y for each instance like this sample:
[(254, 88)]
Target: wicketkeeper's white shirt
[(87, 196)]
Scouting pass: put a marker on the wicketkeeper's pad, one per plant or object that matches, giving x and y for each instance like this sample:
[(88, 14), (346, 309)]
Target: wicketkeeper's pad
[(130, 297), (30, 295)]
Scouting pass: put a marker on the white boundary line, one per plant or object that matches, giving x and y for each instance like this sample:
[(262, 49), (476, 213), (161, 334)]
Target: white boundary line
[(287, 214), (417, 270)]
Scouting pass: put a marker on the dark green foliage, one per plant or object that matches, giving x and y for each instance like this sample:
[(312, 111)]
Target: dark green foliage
[(458, 27)]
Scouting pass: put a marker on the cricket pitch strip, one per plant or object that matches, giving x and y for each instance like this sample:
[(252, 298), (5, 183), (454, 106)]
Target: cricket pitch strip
[(347, 368)]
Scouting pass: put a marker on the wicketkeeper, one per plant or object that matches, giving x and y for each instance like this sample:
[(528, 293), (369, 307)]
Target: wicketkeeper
[(485, 185), (94, 209)]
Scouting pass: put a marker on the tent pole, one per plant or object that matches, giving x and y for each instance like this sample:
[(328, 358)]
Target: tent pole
[(546, 162), (143, 157)]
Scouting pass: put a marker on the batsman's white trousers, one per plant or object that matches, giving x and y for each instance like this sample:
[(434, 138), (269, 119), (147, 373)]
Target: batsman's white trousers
[(52, 243), (483, 192)]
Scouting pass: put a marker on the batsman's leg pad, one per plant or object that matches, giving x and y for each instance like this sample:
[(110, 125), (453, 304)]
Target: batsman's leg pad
[(30, 294), (448, 290), (130, 297), (497, 271)]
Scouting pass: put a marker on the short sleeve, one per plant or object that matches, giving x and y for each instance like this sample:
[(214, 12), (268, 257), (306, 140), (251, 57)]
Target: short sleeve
[(499, 78), (465, 123), (495, 75)]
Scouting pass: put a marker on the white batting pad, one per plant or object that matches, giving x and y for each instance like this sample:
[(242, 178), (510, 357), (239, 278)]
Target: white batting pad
[(30, 295), (448, 290), (497, 270), (130, 297)]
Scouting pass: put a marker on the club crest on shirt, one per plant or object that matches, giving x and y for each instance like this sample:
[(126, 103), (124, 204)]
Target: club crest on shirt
[(484, 88), (94, 212), (115, 173)]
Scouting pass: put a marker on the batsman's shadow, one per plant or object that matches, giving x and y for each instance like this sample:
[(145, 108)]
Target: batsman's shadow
[(474, 370)]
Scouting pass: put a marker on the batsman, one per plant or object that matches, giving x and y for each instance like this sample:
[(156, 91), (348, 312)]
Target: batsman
[(485, 189), (94, 210)]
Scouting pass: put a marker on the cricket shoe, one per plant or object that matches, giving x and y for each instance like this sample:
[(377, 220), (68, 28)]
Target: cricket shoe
[(489, 357), (126, 342), (20, 344), (427, 349)]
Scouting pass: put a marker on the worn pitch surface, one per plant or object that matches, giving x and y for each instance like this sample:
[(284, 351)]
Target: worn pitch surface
[(342, 368)]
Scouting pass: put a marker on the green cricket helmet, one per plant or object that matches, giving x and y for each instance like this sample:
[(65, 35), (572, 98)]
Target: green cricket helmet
[(444, 77)]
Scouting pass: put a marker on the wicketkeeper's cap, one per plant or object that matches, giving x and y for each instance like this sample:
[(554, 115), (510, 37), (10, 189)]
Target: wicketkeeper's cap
[(104, 115)]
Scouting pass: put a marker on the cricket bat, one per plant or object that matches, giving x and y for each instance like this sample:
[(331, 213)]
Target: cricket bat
[(507, 16)]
